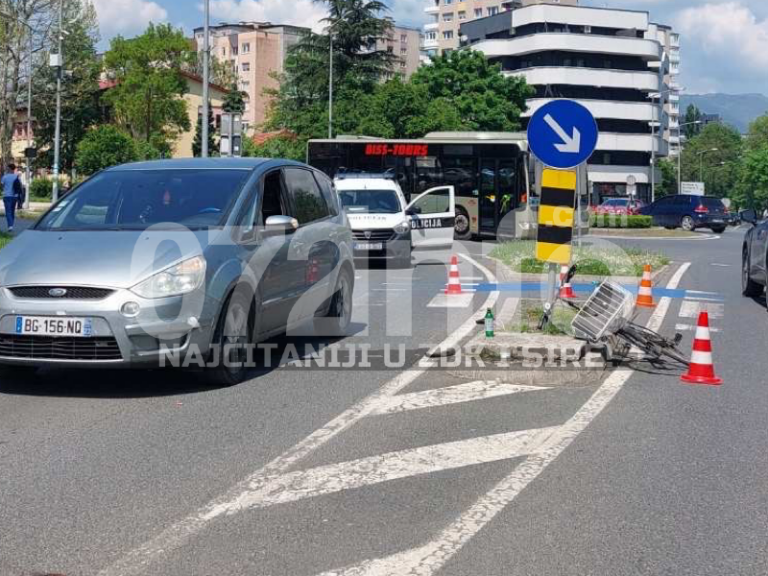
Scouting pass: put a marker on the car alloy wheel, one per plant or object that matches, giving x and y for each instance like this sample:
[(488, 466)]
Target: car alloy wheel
[(688, 224), (339, 314)]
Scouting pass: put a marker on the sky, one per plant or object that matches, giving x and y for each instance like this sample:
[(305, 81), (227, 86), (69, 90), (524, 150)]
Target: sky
[(724, 43)]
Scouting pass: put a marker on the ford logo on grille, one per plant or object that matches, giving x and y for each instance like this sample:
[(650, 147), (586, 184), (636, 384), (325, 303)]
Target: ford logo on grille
[(57, 292)]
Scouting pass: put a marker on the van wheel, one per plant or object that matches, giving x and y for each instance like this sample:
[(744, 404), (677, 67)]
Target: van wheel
[(233, 334), (339, 316), (688, 224), (462, 225)]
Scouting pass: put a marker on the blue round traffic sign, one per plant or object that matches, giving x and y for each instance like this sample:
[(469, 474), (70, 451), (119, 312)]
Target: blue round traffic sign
[(563, 134)]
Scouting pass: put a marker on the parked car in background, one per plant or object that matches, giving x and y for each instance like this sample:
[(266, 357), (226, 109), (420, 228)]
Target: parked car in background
[(688, 212), (619, 206), (191, 256)]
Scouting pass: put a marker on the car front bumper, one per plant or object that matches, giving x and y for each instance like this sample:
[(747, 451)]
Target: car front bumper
[(397, 248), (164, 328)]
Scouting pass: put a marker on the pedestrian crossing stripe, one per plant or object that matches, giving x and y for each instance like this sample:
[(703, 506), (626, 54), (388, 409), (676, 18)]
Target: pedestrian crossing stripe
[(556, 216)]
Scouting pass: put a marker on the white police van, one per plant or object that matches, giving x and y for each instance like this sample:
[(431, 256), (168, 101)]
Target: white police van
[(385, 226)]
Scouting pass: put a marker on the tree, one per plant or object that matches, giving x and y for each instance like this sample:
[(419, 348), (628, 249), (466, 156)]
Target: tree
[(692, 114), (301, 103), (721, 167), (148, 97), (398, 109), (23, 22), (282, 146), (81, 105), (757, 137), (752, 189), (234, 101), (103, 147), (484, 98), (669, 185), (197, 143)]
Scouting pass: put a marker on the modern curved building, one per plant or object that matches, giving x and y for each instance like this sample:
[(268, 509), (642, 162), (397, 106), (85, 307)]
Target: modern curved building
[(615, 62)]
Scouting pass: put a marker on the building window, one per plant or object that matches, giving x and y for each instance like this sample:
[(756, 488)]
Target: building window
[(463, 15), (448, 17), (478, 12), (246, 66), (234, 50), (403, 51), (404, 38), (448, 35), (447, 2), (246, 48), (493, 10), (223, 51), (430, 36)]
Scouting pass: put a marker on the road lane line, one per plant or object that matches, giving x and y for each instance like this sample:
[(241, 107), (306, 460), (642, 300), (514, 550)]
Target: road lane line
[(690, 328), (451, 301), (691, 309), (392, 466), (470, 392), (138, 560), (429, 559)]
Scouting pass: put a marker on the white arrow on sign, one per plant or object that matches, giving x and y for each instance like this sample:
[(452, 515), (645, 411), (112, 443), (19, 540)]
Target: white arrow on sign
[(571, 144)]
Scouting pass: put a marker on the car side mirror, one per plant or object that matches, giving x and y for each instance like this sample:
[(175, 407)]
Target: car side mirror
[(413, 211), (748, 216), (280, 225)]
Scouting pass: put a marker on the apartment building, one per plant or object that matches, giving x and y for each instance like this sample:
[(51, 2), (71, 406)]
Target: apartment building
[(443, 33), (611, 61), (405, 43), (256, 51)]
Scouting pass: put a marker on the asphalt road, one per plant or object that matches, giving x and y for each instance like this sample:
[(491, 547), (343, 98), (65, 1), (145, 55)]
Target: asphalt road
[(375, 471)]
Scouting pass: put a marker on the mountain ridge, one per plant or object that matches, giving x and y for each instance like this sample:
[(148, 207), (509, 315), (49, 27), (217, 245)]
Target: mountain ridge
[(738, 110)]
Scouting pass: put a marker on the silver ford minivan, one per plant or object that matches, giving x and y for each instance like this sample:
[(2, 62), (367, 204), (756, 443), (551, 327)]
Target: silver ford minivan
[(186, 257)]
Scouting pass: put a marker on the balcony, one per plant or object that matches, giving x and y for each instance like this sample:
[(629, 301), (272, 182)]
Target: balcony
[(600, 77), (432, 7), (609, 109), (649, 50), (430, 43), (431, 26), (580, 16), (618, 174), (609, 141)]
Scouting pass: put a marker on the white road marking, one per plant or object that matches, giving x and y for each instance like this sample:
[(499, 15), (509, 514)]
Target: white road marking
[(699, 292), (429, 559), (690, 309), (702, 299), (138, 560), (451, 301), (460, 393), (391, 466), (720, 265), (689, 328)]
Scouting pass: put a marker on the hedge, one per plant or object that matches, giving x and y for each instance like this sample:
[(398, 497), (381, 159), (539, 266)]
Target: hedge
[(618, 221)]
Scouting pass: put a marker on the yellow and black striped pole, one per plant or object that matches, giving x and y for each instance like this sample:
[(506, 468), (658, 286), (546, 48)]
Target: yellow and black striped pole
[(556, 216)]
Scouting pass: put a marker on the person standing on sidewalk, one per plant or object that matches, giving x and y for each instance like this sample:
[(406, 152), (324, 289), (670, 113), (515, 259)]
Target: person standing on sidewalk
[(11, 187)]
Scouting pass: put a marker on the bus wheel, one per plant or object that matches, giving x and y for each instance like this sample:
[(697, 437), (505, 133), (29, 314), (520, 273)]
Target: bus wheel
[(463, 230)]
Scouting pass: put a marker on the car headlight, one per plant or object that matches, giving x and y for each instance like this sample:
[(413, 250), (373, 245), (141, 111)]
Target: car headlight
[(175, 281), (404, 227)]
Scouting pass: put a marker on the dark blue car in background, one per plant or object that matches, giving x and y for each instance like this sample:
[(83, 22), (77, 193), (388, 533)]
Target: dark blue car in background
[(689, 212)]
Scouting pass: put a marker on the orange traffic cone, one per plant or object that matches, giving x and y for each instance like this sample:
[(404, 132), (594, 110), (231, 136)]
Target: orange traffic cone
[(454, 283), (645, 292), (566, 290), (701, 369)]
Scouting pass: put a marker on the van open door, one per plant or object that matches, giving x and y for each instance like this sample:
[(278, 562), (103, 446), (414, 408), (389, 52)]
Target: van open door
[(433, 216)]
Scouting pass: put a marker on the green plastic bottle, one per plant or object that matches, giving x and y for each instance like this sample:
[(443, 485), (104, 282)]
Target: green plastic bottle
[(489, 324)]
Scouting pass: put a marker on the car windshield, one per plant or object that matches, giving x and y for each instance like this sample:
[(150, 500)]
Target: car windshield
[(139, 199), (370, 201)]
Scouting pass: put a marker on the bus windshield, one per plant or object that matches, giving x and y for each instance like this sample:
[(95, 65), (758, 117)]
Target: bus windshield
[(370, 201)]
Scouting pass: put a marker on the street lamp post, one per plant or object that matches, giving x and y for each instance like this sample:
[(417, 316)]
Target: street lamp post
[(680, 156), (701, 161), (206, 64), (330, 79), (57, 135)]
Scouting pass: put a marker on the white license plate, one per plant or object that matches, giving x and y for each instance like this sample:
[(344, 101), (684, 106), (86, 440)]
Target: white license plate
[(54, 326), (369, 246)]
